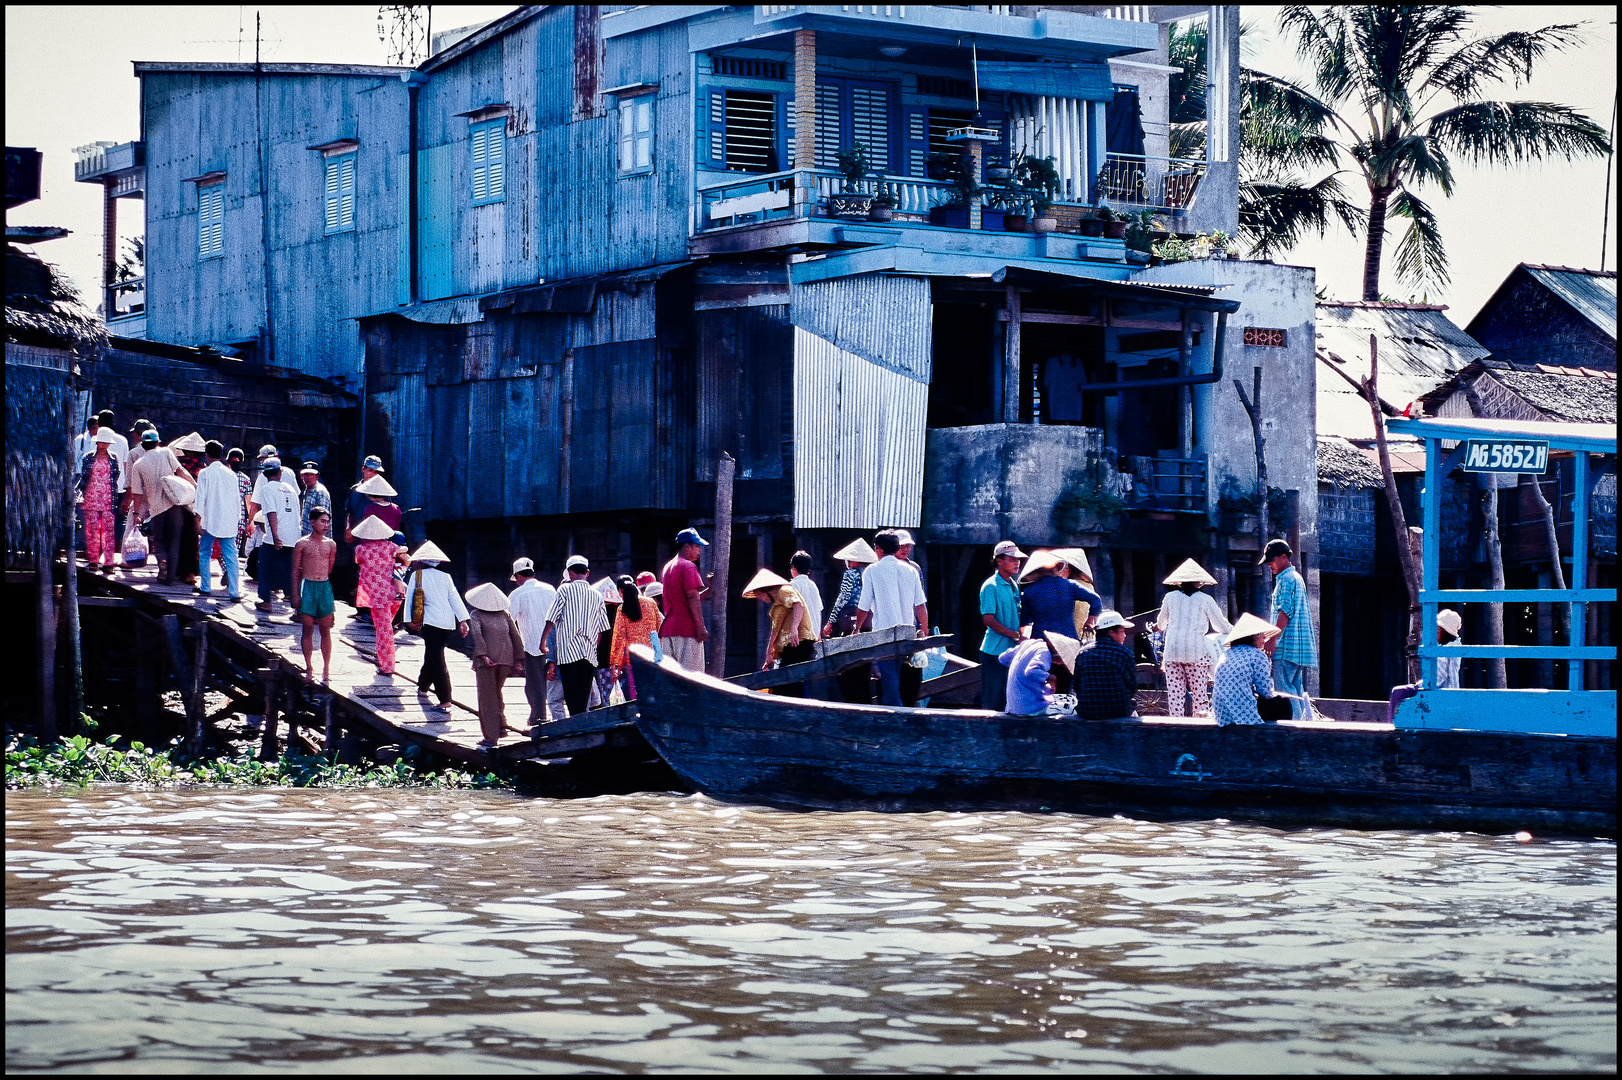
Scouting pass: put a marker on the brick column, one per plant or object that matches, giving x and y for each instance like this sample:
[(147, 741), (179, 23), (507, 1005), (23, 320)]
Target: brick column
[(109, 245), (805, 100)]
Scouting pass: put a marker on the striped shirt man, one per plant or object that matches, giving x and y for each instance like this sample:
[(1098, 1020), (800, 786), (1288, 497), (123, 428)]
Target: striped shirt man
[(579, 617)]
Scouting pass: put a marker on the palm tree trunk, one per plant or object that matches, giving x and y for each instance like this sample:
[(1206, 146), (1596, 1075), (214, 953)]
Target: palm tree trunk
[(1406, 557), (1378, 198)]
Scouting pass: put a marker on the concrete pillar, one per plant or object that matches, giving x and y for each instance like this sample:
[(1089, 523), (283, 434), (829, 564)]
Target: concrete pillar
[(109, 246), (1011, 395), (805, 99)]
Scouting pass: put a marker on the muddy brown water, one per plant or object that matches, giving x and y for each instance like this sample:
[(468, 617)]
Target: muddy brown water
[(208, 930)]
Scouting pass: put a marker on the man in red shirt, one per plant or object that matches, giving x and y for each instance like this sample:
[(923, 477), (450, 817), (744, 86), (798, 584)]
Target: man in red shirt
[(682, 636)]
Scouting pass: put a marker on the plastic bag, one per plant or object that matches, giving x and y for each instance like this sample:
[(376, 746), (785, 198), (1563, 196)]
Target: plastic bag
[(616, 696), (658, 650), (135, 547)]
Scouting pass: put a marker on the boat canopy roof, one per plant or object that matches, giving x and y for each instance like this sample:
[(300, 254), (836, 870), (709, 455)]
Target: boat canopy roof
[(1595, 438)]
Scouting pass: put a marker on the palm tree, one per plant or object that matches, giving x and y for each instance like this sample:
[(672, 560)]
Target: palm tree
[(1399, 89), (1395, 90)]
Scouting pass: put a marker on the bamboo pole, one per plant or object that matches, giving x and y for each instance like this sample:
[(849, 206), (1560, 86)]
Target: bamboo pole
[(722, 557)]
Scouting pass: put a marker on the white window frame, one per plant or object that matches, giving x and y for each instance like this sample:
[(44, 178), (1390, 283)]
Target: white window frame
[(633, 142), (338, 171), (211, 219), (488, 150)]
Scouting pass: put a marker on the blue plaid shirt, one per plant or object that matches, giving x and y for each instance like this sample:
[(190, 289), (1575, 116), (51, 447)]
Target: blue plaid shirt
[(1106, 680), (1298, 644)]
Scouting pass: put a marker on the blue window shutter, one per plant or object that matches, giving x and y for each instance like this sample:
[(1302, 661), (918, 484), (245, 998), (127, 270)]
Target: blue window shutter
[(915, 140), (713, 152), (346, 193), (211, 221), (496, 154), (785, 124), (332, 193), (480, 174), (870, 124), (830, 129), (994, 114)]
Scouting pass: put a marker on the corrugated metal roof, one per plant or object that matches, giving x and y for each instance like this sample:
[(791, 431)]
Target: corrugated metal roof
[(1420, 348), (1591, 293), (883, 318)]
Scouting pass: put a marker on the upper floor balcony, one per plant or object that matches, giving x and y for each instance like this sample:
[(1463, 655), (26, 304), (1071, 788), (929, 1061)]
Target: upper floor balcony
[(120, 166)]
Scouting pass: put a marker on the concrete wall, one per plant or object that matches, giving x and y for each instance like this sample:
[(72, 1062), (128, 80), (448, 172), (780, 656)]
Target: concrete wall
[(996, 482)]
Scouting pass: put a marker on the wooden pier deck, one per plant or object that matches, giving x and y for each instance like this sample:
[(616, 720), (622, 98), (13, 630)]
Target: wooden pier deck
[(388, 705)]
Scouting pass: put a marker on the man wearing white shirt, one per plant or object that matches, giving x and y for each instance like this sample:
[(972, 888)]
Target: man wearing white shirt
[(280, 503), (219, 515), (530, 604), (892, 595)]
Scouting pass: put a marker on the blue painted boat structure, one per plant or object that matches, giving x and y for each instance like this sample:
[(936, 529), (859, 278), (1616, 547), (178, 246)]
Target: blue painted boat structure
[(1575, 711), (742, 746)]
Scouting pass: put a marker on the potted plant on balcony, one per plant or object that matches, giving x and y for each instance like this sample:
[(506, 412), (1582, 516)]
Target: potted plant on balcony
[(1142, 230), (1172, 250), (953, 210), (883, 204), (854, 167), (1090, 225), (1039, 178), (1000, 174), (1114, 222)]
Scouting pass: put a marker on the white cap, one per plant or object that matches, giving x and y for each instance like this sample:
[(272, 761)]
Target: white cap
[(523, 565), (1109, 620)]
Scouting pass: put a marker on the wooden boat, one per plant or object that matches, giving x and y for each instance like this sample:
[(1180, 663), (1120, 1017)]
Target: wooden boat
[(740, 745)]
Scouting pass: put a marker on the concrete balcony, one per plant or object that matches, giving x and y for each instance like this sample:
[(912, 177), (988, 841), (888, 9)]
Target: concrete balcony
[(122, 165)]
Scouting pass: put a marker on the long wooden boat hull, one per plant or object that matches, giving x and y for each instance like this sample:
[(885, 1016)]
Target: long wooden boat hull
[(745, 746)]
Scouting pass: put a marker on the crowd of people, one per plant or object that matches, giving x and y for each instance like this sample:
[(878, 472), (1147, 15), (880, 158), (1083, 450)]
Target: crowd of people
[(1051, 646)]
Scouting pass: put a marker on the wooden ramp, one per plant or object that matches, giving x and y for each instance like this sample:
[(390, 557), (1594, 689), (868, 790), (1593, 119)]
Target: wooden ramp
[(246, 646)]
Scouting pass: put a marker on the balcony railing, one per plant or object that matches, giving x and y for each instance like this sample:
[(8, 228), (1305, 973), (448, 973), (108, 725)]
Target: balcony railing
[(1176, 485), (126, 299), (770, 196), (1148, 182)]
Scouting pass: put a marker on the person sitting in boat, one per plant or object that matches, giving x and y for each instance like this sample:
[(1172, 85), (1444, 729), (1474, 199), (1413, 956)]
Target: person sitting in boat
[(1030, 677), (793, 637), (1107, 673), (1244, 673), (1049, 601)]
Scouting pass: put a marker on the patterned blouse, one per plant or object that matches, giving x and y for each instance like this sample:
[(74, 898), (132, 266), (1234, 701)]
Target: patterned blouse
[(1185, 618), (850, 591), (1241, 674), (628, 632)]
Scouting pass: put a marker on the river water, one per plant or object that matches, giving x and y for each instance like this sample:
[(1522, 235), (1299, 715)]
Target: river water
[(227, 930)]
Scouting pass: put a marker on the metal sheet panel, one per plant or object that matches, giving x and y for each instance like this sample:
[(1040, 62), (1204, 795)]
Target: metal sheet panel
[(743, 355), (1592, 295), (858, 440), (408, 420), (436, 213), (883, 318)]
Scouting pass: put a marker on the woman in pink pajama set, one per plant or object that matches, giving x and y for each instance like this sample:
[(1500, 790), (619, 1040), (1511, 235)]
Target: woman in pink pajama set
[(374, 557), (98, 480)]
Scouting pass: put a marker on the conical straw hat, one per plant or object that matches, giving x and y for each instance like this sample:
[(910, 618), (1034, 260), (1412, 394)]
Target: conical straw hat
[(1065, 648), (1249, 626), (193, 443), (429, 550), (1037, 561), (487, 597), (373, 528), (1077, 559), (609, 590), (858, 550), (377, 486), (1189, 571), (763, 579)]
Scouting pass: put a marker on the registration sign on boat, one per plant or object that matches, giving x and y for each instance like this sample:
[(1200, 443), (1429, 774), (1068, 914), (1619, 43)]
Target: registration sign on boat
[(1506, 455)]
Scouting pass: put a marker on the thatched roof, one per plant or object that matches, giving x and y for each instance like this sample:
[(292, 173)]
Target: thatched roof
[(1344, 465), (1588, 399), (43, 308)]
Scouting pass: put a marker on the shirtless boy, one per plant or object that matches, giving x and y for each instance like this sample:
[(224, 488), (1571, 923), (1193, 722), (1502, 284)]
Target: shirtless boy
[(313, 557)]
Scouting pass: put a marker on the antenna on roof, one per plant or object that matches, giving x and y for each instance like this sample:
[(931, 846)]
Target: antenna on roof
[(405, 28)]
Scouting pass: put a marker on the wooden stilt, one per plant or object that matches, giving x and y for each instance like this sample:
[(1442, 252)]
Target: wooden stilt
[(47, 646), (721, 555), (199, 686), (271, 677), (329, 724)]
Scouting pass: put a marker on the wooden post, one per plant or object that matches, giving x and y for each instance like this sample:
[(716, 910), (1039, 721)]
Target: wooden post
[(70, 588), (271, 677), (566, 437), (1012, 398), (329, 736), (43, 558), (722, 556), (1405, 555), (199, 682), (763, 617)]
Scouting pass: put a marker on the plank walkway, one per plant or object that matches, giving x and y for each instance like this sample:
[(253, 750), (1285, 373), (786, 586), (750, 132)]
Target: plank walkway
[(388, 703)]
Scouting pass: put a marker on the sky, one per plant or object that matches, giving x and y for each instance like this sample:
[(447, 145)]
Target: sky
[(69, 82)]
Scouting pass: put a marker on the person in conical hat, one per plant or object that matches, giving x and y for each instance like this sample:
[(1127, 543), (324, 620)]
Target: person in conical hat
[(1244, 673), (608, 589), (1187, 657), (1073, 564), (377, 486), (1449, 624), (841, 618), (498, 653), (375, 556), (442, 612), (1064, 649), (1049, 601), (793, 635)]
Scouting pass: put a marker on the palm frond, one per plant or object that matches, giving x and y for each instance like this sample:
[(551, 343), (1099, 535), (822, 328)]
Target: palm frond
[(1187, 140), (1415, 158), (1421, 258), (1283, 100), (1277, 212), (1321, 43), (1505, 57), (1508, 132)]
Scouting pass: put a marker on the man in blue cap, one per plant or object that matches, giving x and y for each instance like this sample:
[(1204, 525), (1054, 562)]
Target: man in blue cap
[(682, 635)]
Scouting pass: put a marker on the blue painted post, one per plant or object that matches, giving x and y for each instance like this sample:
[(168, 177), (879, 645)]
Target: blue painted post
[(1579, 567), (1431, 557)]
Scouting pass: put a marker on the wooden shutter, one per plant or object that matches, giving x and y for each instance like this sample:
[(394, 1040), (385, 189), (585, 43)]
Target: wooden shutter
[(712, 151), (211, 220), (340, 193), (915, 140), (481, 182), (870, 123), (751, 131), (489, 161), (829, 134)]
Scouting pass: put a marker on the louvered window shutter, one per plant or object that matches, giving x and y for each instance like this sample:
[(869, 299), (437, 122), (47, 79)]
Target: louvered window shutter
[(788, 131), (211, 220), (713, 151), (333, 172), (870, 124), (496, 149), (481, 139), (346, 193), (914, 141), (828, 126)]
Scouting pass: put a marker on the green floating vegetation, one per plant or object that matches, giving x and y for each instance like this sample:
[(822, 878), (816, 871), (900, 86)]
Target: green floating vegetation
[(80, 761)]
